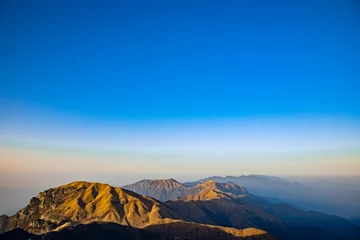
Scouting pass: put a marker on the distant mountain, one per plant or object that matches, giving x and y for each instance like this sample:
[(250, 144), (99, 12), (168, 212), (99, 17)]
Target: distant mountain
[(211, 190), (267, 186), (162, 190), (170, 189), (332, 195), (326, 196), (83, 202)]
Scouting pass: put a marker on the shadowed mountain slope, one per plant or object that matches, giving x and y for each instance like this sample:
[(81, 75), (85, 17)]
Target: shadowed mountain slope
[(91, 231), (194, 231), (106, 231)]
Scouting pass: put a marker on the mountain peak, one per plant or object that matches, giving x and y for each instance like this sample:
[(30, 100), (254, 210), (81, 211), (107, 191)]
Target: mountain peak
[(209, 182), (211, 189), (159, 189), (81, 184), (85, 201)]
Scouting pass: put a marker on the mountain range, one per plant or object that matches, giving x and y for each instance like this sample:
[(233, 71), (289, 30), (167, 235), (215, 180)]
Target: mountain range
[(168, 209), (228, 204), (84, 202), (317, 194)]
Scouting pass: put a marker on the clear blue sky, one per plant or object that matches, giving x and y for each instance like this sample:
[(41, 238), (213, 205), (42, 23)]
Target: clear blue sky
[(140, 60), (182, 76)]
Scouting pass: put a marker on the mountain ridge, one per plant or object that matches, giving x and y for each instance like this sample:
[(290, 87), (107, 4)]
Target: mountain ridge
[(231, 205)]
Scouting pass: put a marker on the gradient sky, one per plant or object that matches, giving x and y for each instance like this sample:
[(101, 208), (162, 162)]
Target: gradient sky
[(118, 90)]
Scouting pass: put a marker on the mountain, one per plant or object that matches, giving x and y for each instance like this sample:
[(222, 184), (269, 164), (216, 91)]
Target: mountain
[(213, 190), (84, 202), (91, 231), (208, 210), (163, 190), (230, 205)]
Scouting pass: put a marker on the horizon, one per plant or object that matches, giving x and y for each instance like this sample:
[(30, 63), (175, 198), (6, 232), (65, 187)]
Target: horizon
[(120, 91), (331, 179)]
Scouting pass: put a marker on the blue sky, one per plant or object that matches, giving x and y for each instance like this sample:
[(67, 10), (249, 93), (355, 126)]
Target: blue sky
[(186, 73)]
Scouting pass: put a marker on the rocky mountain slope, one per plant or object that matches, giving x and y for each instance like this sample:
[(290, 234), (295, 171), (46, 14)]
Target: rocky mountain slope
[(85, 202)]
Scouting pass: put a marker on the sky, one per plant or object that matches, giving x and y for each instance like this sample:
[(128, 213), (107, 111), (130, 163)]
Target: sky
[(123, 90)]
